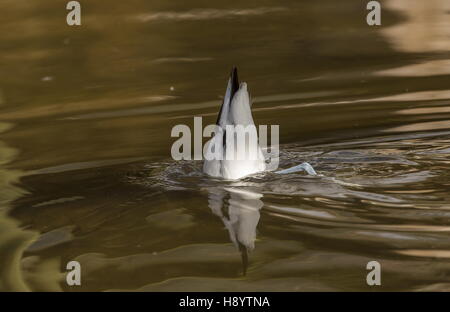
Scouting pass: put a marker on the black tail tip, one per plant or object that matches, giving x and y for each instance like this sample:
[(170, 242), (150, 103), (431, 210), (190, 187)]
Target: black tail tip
[(234, 79), (234, 73)]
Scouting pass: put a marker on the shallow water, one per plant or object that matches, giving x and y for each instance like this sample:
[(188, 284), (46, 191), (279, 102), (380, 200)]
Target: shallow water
[(86, 172)]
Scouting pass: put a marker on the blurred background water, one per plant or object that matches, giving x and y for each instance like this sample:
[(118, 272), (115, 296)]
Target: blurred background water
[(85, 166)]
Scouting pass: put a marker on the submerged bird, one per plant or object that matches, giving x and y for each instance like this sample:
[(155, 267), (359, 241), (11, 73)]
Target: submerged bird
[(236, 111)]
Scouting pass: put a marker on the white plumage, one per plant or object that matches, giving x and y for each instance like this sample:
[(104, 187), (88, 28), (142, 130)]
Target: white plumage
[(236, 160)]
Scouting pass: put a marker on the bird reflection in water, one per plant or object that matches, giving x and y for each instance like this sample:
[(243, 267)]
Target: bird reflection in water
[(239, 210)]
